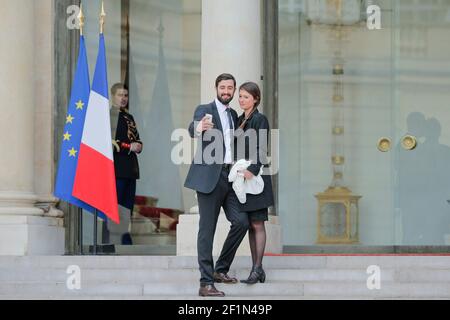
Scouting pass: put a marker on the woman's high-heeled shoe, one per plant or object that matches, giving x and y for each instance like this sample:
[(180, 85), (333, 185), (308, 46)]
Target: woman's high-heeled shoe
[(257, 274)]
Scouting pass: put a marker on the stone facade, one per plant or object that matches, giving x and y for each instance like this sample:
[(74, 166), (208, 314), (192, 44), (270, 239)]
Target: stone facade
[(29, 222)]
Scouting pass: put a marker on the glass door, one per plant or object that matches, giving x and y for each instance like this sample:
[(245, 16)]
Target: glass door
[(422, 138), (362, 103), (154, 47)]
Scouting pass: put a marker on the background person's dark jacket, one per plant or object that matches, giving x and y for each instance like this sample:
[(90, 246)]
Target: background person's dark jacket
[(125, 163)]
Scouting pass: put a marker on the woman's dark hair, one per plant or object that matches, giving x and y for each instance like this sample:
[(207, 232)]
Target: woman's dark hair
[(253, 89), (225, 76)]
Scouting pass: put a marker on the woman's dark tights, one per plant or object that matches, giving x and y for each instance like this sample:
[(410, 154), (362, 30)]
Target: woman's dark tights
[(257, 239)]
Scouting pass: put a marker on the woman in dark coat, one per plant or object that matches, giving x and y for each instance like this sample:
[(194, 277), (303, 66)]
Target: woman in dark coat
[(252, 144)]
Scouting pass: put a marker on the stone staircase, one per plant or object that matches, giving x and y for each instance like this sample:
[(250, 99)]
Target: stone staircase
[(163, 277)]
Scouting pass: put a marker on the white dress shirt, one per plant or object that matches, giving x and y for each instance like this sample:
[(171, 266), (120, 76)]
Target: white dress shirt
[(227, 133)]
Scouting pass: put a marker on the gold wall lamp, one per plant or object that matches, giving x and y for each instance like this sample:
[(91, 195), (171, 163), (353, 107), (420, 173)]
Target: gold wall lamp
[(338, 216)]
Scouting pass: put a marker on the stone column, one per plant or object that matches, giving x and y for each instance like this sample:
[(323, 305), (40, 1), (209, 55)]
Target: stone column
[(231, 43), (23, 229), (44, 163)]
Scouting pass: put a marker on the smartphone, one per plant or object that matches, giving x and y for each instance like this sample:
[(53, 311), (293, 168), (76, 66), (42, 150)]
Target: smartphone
[(209, 117)]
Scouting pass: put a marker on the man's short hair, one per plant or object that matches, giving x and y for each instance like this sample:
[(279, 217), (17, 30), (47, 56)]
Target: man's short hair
[(225, 76), (118, 86)]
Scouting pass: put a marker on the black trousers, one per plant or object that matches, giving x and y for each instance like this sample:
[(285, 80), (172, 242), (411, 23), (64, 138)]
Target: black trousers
[(126, 192), (209, 207)]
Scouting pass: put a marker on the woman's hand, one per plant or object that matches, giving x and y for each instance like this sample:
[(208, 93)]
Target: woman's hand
[(248, 175)]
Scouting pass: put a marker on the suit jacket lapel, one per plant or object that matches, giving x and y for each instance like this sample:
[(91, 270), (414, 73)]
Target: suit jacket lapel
[(216, 117), (235, 120)]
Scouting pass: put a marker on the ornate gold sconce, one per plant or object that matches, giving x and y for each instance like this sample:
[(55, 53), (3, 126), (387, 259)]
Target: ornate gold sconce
[(338, 211), (338, 216)]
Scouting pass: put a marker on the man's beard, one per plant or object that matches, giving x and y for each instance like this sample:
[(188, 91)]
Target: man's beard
[(225, 101)]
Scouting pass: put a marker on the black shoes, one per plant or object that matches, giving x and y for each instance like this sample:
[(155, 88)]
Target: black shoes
[(257, 274)]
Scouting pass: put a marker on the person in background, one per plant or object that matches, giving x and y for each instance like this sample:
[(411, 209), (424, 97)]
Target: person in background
[(127, 145)]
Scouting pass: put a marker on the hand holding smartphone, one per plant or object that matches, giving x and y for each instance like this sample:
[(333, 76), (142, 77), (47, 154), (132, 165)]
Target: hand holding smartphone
[(209, 117), (206, 123)]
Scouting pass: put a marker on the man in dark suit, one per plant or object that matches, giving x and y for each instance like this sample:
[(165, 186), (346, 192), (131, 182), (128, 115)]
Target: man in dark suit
[(214, 126)]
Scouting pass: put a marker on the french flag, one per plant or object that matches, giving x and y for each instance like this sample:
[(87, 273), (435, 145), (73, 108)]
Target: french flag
[(95, 181)]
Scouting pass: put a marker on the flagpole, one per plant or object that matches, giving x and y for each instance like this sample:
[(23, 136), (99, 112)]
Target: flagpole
[(81, 19), (94, 250), (102, 18), (102, 23), (80, 229)]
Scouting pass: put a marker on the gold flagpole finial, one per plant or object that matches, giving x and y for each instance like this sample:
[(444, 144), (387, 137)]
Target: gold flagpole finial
[(81, 19), (102, 18)]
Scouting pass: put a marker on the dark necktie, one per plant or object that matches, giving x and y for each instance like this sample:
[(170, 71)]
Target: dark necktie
[(231, 125), (230, 119)]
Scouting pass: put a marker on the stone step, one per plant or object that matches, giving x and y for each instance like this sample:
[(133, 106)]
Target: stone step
[(318, 289), (142, 262), (54, 290), (165, 275), (176, 290), (174, 297), (387, 290), (240, 289), (57, 289), (297, 277), (386, 262), (162, 275), (270, 262)]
